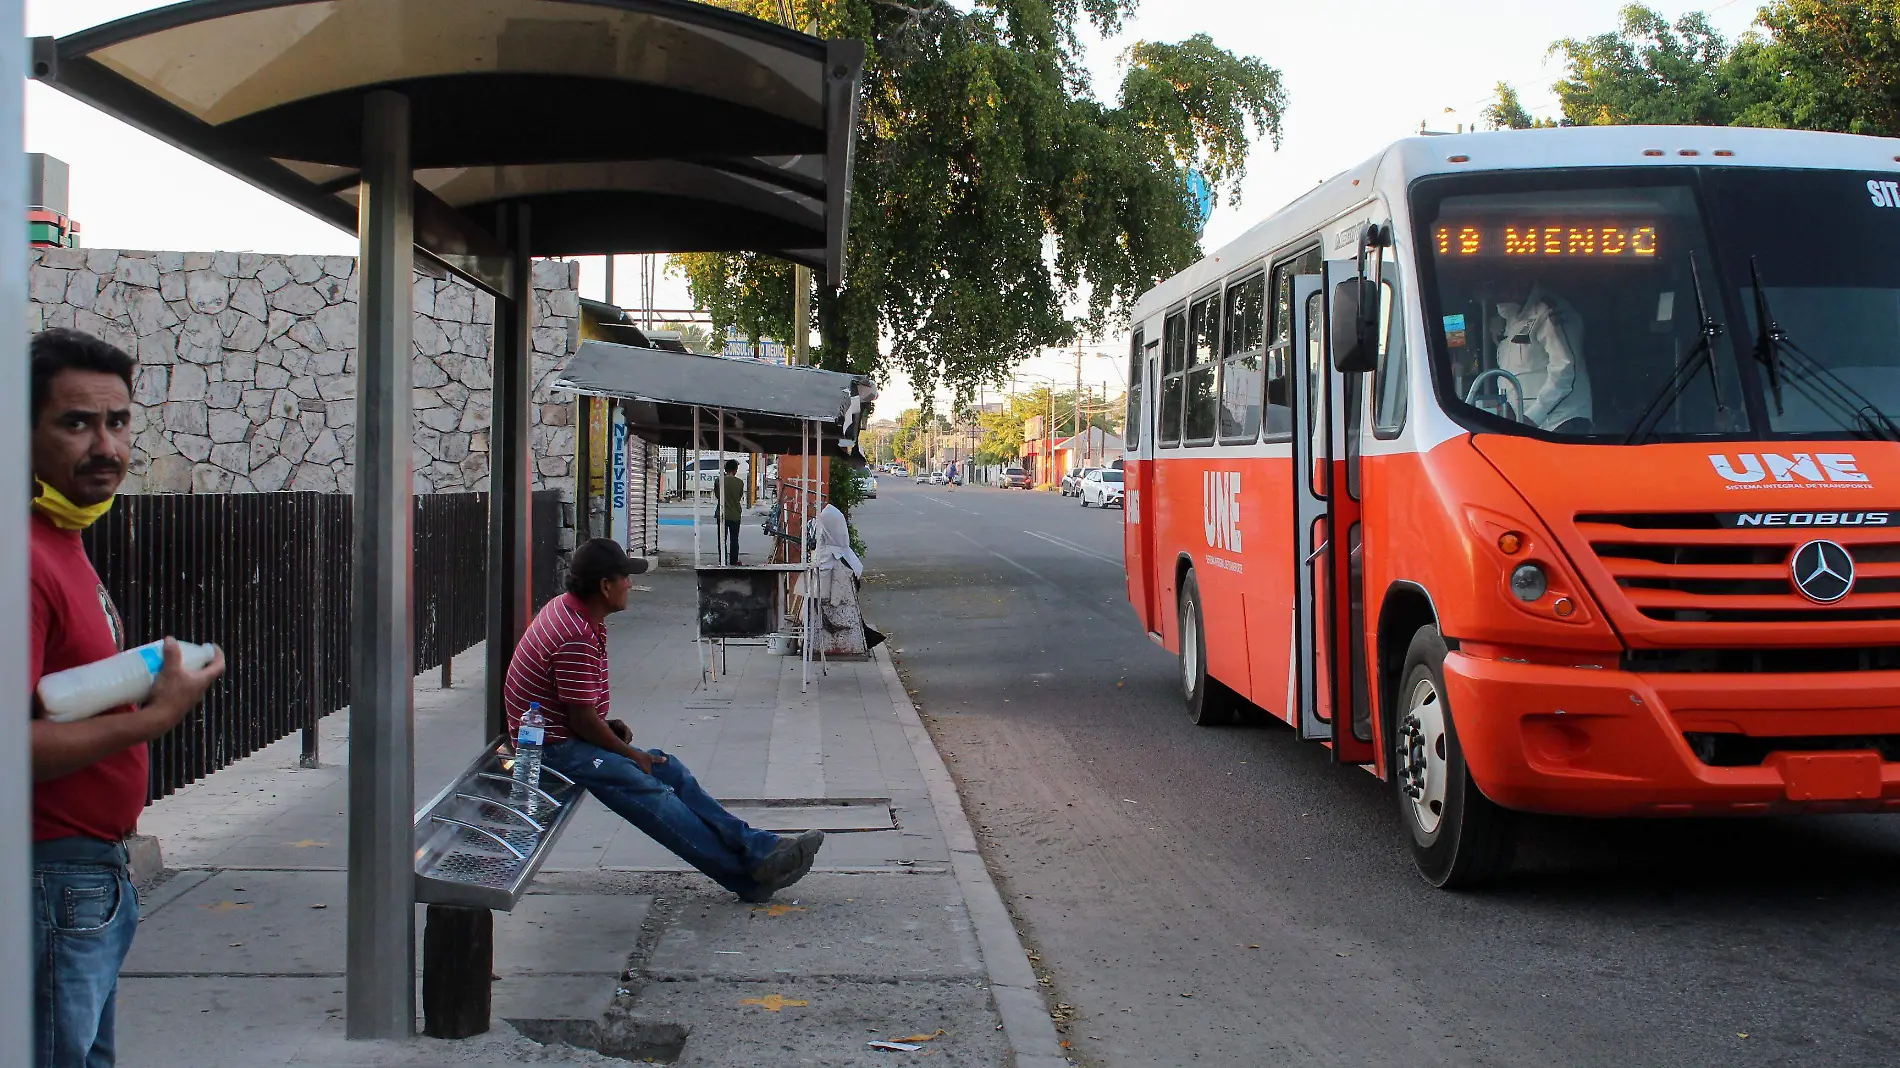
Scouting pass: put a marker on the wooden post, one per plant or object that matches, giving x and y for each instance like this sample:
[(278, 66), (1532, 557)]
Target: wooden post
[(458, 959)]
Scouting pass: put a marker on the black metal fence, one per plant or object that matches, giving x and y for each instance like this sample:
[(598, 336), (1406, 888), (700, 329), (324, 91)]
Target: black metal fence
[(267, 577)]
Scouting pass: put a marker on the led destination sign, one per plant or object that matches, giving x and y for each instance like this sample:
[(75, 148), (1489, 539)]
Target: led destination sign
[(1547, 240)]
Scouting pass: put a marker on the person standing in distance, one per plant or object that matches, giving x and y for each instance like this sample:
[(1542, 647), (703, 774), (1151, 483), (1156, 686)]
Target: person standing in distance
[(89, 777), (731, 510), (561, 663)]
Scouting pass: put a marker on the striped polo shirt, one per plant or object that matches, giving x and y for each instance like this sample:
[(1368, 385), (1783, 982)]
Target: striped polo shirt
[(561, 661)]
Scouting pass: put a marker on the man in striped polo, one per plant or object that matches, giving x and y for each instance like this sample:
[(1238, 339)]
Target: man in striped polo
[(561, 663)]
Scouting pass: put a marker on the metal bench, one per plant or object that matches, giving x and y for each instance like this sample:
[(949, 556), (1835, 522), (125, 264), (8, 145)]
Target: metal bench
[(476, 853)]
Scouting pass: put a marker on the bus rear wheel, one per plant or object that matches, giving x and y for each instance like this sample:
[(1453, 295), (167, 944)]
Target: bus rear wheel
[(1209, 702), (1459, 837)]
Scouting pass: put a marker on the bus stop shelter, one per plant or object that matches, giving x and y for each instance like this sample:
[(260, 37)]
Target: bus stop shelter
[(464, 137), (689, 401)]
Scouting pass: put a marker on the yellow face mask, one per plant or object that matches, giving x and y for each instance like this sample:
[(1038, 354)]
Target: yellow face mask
[(65, 514)]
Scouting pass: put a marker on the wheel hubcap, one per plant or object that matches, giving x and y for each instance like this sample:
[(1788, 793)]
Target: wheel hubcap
[(1421, 755), (1190, 648)]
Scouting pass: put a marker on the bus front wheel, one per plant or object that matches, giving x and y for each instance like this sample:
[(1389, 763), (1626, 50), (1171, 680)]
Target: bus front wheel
[(1459, 837), (1209, 703)]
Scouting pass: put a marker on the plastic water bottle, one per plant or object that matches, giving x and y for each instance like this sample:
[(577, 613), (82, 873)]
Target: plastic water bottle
[(529, 734), (85, 691)]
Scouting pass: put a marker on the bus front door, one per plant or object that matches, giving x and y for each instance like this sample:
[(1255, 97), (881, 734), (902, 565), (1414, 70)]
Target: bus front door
[(1147, 514), (1326, 528)]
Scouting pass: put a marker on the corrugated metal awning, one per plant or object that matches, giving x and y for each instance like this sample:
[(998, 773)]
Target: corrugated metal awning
[(767, 407)]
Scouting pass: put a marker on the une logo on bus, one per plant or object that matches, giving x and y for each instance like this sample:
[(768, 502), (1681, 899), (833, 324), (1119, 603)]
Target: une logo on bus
[(1220, 509), (1821, 468)]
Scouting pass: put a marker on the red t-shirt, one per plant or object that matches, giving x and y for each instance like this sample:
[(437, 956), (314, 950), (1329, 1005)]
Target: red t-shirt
[(561, 661), (75, 623)]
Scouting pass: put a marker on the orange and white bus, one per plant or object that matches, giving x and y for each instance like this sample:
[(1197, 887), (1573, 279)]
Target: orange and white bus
[(1552, 471)]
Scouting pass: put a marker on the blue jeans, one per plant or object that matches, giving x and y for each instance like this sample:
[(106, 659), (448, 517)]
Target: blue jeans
[(671, 808), (85, 912)]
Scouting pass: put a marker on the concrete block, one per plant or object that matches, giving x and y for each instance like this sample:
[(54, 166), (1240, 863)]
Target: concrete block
[(910, 927), (832, 1026), (569, 934), (144, 858)]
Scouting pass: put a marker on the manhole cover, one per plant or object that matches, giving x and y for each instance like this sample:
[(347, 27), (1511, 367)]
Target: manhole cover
[(830, 815)]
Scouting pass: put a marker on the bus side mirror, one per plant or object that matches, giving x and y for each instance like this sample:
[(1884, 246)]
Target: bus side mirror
[(1355, 326)]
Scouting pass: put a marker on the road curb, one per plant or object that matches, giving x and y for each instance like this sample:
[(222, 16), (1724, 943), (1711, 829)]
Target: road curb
[(1026, 1025)]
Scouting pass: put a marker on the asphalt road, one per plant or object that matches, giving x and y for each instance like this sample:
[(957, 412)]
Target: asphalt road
[(1230, 897)]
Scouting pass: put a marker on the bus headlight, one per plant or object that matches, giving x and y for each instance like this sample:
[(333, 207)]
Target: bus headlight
[(1529, 582)]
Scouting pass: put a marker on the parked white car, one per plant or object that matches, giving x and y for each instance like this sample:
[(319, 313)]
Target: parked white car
[(1102, 486)]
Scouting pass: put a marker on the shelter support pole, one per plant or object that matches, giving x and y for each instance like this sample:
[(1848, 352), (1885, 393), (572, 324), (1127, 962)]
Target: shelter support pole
[(723, 519), (510, 574), (381, 998), (697, 456), (16, 779), (584, 470)]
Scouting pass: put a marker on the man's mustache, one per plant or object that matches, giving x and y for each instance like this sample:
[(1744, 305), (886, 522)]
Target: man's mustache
[(100, 465)]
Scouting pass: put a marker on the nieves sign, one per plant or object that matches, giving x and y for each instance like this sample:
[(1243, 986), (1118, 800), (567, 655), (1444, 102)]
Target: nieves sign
[(1770, 470)]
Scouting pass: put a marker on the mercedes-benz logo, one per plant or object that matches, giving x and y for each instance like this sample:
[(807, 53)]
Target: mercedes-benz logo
[(1823, 571)]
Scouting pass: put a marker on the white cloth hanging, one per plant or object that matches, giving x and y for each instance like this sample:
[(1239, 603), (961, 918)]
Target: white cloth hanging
[(834, 542), (1542, 339)]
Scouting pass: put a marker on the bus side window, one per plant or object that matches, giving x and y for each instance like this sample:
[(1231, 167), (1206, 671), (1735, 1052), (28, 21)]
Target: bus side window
[(1241, 362), (1135, 377), (1173, 371), (1388, 381), (1203, 392), (1280, 354)]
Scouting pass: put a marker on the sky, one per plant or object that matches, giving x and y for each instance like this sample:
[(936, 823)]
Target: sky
[(1357, 76)]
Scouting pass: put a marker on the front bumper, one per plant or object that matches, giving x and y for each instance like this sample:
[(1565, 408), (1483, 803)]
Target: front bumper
[(1582, 741)]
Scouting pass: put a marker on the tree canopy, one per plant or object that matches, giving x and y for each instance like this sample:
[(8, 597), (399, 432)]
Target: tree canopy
[(1001, 433), (993, 188), (1507, 112), (1815, 65)]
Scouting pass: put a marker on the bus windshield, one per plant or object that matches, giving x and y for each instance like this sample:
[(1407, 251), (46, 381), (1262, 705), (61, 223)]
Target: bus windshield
[(1621, 307)]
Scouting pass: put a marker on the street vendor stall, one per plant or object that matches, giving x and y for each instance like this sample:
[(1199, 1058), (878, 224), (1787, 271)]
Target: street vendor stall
[(722, 404)]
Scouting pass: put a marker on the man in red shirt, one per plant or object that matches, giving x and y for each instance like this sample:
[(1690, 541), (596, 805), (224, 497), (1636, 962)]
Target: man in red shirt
[(90, 776), (561, 665)]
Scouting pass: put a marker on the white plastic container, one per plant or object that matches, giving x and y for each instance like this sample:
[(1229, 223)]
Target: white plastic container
[(82, 692)]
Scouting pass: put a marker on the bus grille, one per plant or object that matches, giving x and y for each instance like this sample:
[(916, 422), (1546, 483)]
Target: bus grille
[(1687, 568)]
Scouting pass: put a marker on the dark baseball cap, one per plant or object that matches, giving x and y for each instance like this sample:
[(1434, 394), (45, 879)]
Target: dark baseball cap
[(598, 560)]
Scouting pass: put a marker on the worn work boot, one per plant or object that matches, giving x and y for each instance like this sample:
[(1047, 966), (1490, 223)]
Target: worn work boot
[(783, 861), (808, 845)]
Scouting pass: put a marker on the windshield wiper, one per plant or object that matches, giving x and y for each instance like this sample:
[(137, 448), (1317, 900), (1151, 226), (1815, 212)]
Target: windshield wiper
[(1768, 336), (1772, 343), (1702, 354)]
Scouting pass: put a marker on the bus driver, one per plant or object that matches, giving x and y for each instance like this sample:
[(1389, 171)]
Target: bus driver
[(1540, 345)]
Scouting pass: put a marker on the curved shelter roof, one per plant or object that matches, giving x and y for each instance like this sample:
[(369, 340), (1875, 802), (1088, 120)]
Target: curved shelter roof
[(625, 125)]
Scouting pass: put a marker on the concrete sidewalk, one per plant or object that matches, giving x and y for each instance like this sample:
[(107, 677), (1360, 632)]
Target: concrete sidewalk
[(618, 947)]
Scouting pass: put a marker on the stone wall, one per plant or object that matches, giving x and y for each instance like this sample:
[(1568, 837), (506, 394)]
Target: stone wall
[(247, 362)]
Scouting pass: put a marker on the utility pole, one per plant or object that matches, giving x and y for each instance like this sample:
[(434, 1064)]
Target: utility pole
[(1078, 384)]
